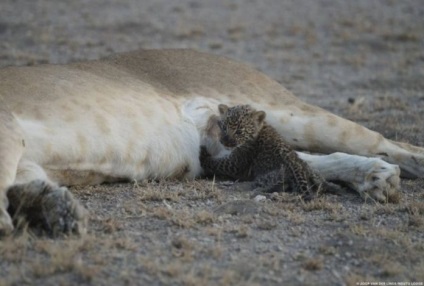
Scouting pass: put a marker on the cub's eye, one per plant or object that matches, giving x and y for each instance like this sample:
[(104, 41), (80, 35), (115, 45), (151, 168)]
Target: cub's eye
[(238, 132)]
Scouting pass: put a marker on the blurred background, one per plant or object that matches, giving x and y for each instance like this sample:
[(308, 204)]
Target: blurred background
[(327, 52)]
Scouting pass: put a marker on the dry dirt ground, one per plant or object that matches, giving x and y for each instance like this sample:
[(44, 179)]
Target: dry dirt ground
[(361, 59)]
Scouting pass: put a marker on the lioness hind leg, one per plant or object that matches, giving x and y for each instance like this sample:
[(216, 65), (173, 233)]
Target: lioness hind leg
[(47, 207), (11, 149), (316, 130), (370, 177)]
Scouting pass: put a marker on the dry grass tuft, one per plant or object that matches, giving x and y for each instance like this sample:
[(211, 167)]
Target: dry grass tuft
[(229, 277), (204, 190), (216, 251), (391, 269), (388, 267), (321, 204), (353, 279), (183, 248), (395, 198), (241, 231), (394, 235), (359, 229), (294, 216), (271, 261), (181, 242), (384, 209), (266, 224), (283, 197), (62, 257), (159, 194), (111, 225), (173, 269), (327, 250), (415, 221), (148, 264), (183, 218), (401, 37), (124, 243), (365, 214), (215, 231), (14, 248), (313, 264), (416, 208), (204, 217), (272, 209), (162, 213)]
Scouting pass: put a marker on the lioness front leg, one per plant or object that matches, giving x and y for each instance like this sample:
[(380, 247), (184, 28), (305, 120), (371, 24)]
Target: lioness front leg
[(44, 205), (11, 149)]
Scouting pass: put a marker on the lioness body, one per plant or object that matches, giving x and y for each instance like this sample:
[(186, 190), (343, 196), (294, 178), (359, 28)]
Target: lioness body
[(144, 115), (120, 117)]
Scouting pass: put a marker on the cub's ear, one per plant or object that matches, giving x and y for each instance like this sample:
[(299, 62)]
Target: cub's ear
[(259, 116), (222, 108)]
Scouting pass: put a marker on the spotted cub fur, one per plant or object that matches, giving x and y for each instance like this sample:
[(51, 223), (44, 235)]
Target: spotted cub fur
[(259, 154)]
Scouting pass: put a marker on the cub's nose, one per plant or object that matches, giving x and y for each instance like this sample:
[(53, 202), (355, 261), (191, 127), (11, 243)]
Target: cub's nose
[(227, 141)]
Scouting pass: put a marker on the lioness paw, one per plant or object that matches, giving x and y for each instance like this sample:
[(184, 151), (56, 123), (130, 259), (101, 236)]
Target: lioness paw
[(47, 208), (382, 183), (62, 213)]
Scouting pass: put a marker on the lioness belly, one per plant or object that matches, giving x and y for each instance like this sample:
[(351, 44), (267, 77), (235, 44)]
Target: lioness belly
[(112, 138)]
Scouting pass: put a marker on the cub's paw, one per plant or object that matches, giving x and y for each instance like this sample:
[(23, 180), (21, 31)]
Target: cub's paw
[(48, 208), (203, 153)]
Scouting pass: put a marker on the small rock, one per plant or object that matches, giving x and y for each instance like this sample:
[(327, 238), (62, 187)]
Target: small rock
[(259, 198)]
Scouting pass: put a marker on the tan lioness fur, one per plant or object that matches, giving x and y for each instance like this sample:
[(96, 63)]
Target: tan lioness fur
[(144, 115)]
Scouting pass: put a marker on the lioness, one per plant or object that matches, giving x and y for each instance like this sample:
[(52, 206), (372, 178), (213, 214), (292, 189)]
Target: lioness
[(145, 114)]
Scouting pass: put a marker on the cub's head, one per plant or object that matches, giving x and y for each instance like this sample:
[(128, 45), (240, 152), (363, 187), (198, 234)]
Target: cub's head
[(239, 124)]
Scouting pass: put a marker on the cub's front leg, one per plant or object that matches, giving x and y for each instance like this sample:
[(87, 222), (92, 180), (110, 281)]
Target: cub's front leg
[(235, 165)]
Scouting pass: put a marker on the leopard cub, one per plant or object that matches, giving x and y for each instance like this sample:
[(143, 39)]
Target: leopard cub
[(259, 154)]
